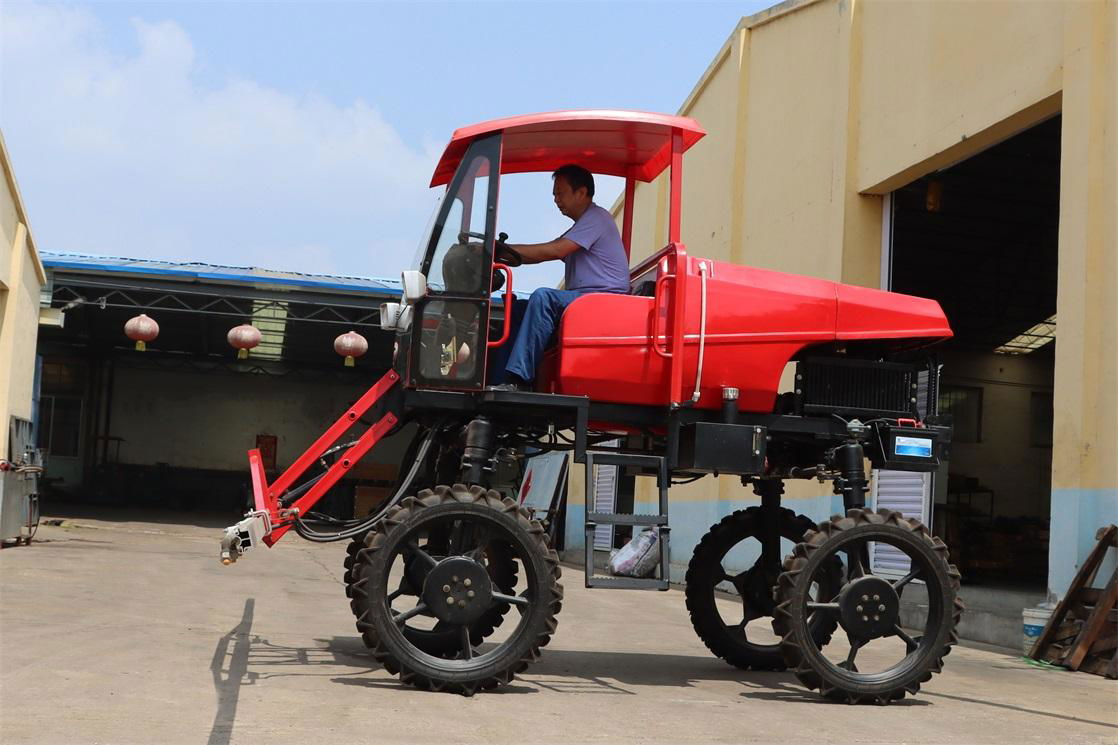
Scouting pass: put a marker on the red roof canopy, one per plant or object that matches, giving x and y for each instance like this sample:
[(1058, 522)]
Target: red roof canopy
[(615, 143)]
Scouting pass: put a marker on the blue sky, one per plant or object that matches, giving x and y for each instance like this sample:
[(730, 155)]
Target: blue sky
[(302, 135)]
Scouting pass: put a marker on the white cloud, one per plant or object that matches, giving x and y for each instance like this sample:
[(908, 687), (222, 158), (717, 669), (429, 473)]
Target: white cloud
[(128, 154)]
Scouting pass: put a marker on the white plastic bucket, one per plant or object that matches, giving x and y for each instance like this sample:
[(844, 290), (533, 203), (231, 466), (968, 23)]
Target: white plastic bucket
[(1033, 621)]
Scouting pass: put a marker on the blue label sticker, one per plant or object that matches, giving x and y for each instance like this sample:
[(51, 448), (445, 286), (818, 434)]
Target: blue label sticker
[(921, 447)]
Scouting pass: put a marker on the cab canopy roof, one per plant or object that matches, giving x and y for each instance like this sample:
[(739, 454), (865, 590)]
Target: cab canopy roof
[(630, 144)]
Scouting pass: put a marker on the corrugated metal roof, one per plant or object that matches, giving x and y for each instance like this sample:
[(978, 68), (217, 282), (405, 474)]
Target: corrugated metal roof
[(197, 271)]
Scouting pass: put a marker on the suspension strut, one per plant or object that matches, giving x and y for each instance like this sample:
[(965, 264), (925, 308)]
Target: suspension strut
[(848, 460), (770, 491), (477, 457)]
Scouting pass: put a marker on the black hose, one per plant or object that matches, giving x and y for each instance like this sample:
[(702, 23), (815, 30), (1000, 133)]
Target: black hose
[(357, 527), (688, 481), (300, 490)]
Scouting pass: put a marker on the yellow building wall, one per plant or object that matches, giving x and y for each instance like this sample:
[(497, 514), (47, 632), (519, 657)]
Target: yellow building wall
[(933, 76), (791, 117), (21, 278), (816, 108)]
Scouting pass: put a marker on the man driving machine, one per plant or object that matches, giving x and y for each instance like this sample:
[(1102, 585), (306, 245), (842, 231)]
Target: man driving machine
[(595, 262)]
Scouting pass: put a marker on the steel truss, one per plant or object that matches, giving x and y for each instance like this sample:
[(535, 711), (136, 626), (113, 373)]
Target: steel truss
[(214, 301)]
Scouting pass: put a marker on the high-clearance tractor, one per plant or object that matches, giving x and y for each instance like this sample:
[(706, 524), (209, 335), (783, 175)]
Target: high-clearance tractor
[(454, 582)]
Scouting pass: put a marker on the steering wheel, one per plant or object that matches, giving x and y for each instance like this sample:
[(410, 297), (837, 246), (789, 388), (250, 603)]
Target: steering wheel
[(504, 254)]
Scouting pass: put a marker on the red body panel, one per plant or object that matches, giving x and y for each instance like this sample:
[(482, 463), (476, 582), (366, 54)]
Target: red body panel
[(757, 321)]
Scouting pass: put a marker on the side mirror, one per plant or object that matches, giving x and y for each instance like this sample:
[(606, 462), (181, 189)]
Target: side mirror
[(415, 285), (389, 316)]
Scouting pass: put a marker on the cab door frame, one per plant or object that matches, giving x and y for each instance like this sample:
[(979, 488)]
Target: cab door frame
[(444, 305)]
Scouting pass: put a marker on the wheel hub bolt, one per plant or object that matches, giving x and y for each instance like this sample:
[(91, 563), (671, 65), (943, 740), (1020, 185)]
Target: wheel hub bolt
[(461, 603), (470, 594), (859, 609), (454, 579), (865, 598), (446, 588), (877, 597), (450, 600), (865, 618), (467, 582), (877, 618), (881, 608)]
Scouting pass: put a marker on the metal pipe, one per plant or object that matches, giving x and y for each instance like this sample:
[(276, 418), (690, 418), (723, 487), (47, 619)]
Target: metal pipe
[(702, 330)]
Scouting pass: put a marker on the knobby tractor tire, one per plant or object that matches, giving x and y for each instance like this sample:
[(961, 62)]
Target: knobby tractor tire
[(526, 540), (440, 640), (925, 654), (705, 571)]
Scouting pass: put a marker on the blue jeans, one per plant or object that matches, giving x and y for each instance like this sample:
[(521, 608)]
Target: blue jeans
[(537, 327)]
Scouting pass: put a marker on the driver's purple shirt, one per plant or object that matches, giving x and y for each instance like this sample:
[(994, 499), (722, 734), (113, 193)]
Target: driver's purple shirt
[(599, 265)]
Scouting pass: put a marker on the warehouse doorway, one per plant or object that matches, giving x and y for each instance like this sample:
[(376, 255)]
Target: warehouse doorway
[(981, 237)]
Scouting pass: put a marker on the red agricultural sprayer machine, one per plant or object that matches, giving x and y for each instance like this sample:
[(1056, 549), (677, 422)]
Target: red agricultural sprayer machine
[(455, 585)]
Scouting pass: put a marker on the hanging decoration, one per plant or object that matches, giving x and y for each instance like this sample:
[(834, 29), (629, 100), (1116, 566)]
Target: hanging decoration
[(243, 338), (350, 345), (141, 330)]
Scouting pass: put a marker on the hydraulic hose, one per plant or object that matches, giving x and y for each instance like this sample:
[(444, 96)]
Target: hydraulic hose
[(304, 530)]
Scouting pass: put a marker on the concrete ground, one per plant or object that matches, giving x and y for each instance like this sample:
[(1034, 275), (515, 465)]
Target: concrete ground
[(130, 631)]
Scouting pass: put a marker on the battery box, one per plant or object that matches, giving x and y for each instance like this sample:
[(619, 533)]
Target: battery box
[(712, 447), (898, 448)]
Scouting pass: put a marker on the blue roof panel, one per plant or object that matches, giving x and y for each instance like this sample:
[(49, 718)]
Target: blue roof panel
[(198, 271)]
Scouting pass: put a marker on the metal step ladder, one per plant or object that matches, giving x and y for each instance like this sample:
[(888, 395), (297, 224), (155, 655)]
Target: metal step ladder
[(660, 521)]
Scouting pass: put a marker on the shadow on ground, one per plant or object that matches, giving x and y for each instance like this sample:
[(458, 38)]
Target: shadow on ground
[(104, 513), (244, 659)]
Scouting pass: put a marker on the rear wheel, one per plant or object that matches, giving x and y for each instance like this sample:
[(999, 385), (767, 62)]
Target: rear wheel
[(884, 657), (737, 633), (438, 543)]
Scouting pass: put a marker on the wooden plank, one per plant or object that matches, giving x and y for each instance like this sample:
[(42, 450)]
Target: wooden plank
[(1082, 579), (1103, 643), (1067, 631), (1112, 669), (1094, 623)]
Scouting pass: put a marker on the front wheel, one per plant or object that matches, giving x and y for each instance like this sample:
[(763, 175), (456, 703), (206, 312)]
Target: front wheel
[(884, 657), (446, 533)]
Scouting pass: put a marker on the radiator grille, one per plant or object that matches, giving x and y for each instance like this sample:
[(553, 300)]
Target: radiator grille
[(856, 387)]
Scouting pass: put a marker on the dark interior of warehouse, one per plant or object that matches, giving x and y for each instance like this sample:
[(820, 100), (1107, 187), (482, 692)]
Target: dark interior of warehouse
[(981, 238)]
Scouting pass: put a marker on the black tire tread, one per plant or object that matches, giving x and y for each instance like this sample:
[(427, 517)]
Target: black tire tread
[(460, 493), (794, 565), (708, 625)]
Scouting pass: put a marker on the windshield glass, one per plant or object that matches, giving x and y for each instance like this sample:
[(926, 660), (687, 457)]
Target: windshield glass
[(421, 249), (459, 260)]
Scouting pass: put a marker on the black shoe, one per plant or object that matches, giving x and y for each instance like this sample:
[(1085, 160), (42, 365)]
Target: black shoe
[(505, 387)]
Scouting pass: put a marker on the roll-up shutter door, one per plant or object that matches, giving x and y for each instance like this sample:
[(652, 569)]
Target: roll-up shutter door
[(905, 492), (605, 498)]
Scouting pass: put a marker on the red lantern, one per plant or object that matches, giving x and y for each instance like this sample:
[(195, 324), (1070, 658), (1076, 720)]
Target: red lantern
[(141, 330), (243, 338), (351, 344)]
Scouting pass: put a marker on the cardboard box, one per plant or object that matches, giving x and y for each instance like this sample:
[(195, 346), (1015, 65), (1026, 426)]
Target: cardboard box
[(366, 499), (367, 470)]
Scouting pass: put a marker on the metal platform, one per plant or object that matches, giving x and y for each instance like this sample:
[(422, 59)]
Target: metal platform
[(659, 521)]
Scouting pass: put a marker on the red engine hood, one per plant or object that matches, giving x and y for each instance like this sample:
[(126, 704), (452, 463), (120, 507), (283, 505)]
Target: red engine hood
[(864, 313)]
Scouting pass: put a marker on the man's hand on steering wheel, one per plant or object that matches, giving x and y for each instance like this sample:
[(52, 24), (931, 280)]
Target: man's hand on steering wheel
[(505, 255)]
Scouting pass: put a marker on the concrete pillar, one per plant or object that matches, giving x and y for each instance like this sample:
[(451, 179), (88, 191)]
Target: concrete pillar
[(1085, 436), (12, 315)]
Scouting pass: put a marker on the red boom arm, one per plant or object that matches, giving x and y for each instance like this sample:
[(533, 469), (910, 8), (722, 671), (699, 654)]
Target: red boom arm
[(267, 496)]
